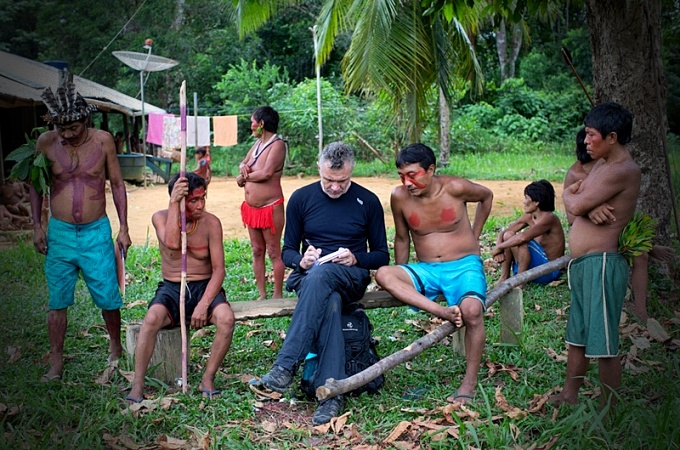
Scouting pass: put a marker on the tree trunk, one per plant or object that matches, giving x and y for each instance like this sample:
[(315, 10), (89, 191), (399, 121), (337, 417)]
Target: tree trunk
[(515, 46), (627, 68), (444, 126), (501, 48), (505, 61)]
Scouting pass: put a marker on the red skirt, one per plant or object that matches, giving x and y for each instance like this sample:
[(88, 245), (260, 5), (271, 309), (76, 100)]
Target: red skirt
[(262, 217)]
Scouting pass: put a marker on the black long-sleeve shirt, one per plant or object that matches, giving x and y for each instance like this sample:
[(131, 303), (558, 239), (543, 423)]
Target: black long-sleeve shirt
[(355, 221)]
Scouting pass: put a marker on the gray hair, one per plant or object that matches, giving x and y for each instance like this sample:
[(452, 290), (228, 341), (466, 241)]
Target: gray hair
[(336, 154)]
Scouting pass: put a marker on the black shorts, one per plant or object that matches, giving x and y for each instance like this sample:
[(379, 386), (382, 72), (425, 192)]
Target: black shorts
[(167, 295)]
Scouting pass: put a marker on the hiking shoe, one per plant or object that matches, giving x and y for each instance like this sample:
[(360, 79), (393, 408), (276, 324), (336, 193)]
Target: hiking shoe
[(278, 379), (327, 409)]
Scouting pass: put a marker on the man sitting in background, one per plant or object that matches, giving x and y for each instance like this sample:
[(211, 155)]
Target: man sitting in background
[(535, 238)]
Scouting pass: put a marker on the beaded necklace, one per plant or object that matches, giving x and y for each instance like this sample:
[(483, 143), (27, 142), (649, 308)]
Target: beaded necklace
[(193, 228)]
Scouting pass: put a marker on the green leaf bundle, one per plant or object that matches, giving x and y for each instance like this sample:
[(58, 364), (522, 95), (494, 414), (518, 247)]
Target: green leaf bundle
[(636, 237), (31, 166)]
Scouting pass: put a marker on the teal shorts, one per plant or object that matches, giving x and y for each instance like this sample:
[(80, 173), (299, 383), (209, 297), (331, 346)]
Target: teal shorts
[(82, 248), (598, 284), (455, 280)]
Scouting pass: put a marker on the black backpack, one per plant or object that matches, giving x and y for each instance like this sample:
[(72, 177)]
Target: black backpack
[(360, 353)]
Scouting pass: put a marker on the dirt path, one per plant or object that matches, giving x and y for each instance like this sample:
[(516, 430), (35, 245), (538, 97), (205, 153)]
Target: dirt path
[(225, 198)]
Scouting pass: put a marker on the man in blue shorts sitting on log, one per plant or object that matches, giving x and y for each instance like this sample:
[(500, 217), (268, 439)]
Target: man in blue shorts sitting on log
[(432, 210), (535, 238)]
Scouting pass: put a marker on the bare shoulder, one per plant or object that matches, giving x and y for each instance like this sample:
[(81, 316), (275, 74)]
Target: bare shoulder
[(399, 193), (211, 220), (457, 184), (101, 134), (574, 174), (464, 189), (46, 139), (159, 215)]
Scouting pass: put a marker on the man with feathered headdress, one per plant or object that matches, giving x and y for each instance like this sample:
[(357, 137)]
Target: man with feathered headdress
[(78, 236)]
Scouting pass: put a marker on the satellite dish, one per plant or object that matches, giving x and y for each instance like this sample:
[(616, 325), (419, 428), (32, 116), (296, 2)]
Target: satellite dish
[(145, 61)]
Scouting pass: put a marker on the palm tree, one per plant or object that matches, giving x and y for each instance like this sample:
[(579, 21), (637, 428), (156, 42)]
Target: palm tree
[(397, 49)]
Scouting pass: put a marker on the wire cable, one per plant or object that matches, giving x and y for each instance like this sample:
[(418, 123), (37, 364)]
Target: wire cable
[(114, 38)]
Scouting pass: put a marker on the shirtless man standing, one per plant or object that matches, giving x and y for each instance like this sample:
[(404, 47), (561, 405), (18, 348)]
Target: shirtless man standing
[(205, 300), (598, 274), (262, 210), (639, 273), (542, 239), (79, 233), (432, 211)]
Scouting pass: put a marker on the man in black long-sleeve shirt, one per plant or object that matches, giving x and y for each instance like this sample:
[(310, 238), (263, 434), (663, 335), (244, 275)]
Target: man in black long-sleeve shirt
[(321, 218)]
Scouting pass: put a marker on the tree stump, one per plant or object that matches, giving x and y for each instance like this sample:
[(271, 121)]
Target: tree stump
[(166, 361), (512, 317)]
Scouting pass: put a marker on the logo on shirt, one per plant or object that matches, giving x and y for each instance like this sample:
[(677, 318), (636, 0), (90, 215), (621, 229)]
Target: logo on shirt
[(360, 201)]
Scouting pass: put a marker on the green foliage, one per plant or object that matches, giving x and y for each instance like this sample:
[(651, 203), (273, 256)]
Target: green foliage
[(517, 126), (80, 412), (517, 161), (299, 119), (31, 166), (247, 86)]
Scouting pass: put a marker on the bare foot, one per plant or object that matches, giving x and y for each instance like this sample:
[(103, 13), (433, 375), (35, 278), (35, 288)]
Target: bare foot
[(559, 399), (207, 388), (455, 316), (461, 397), (56, 369), (115, 350)]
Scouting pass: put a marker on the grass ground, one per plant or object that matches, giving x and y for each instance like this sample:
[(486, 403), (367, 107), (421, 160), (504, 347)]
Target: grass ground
[(86, 411)]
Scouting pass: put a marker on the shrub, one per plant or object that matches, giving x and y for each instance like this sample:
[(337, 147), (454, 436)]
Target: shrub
[(299, 119)]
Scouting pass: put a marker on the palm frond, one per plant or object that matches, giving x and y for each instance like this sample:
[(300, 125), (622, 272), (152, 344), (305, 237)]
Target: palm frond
[(334, 18), (250, 15)]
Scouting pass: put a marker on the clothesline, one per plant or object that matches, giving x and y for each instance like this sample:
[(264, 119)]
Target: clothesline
[(164, 130), (190, 113)]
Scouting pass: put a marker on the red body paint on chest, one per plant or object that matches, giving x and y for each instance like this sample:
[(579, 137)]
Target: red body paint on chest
[(414, 220), (448, 215)]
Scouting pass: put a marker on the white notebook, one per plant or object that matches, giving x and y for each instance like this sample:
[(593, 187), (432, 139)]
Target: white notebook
[(331, 256)]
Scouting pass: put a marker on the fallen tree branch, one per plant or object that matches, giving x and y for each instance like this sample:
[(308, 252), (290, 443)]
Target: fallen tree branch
[(370, 147), (333, 387)]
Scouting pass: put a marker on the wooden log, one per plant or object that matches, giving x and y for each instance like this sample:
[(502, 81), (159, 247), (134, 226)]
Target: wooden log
[(284, 307), (333, 388), (166, 361)]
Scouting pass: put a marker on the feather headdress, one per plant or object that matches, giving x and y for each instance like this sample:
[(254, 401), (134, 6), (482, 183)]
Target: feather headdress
[(67, 106)]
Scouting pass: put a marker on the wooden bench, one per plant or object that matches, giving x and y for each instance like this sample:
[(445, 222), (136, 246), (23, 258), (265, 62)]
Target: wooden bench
[(159, 166), (167, 353)]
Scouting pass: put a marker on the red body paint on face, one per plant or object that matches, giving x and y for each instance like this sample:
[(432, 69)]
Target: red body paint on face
[(411, 178), (414, 220), (448, 215), (198, 192)]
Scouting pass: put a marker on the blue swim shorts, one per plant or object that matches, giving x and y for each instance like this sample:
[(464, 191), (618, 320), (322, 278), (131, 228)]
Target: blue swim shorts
[(455, 280), (81, 248), (538, 258)]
